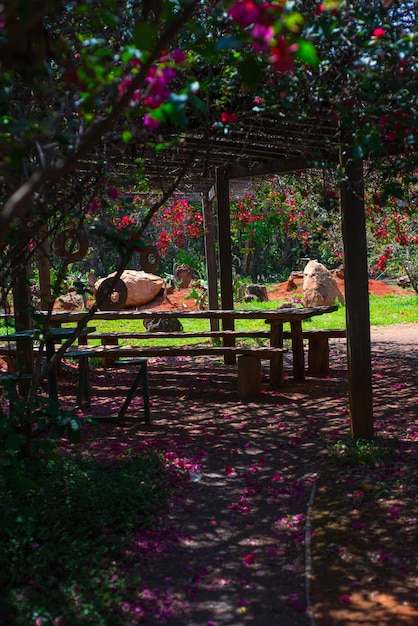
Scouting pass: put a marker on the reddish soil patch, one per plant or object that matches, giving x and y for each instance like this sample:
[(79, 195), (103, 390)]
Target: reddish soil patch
[(179, 300)]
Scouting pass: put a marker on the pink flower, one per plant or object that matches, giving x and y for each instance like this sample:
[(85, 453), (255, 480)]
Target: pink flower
[(260, 31), (229, 470), (379, 32), (248, 559), (112, 193), (150, 122), (178, 56), (345, 599), (244, 12)]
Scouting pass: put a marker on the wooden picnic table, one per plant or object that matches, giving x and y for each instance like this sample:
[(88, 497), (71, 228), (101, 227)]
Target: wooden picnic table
[(275, 318)]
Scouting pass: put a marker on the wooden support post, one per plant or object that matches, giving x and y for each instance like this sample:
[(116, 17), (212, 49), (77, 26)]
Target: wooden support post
[(249, 376), (276, 362), (44, 264), (22, 317), (210, 254), (225, 253), (318, 354), (357, 297)]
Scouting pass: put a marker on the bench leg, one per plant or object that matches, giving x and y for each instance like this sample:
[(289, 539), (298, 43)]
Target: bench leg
[(249, 376), (83, 387), (142, 375), (297, 350), (318, 355), (276, 361)]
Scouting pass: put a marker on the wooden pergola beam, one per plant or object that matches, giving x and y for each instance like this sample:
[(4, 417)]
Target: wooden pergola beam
[(278, 166)]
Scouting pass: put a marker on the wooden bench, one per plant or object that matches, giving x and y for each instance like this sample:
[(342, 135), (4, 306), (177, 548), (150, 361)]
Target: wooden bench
[(249, 360), (206, 334), (318, 341), (318, 347)]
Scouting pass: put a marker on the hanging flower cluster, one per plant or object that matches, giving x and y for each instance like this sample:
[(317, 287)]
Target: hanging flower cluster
[(259, 21), (157, 90)]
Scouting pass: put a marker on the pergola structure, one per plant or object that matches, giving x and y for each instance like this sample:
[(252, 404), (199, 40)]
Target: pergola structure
[(207, 161)]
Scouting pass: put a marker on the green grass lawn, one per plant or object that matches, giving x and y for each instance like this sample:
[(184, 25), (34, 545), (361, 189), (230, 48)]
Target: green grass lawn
[(384, 311)]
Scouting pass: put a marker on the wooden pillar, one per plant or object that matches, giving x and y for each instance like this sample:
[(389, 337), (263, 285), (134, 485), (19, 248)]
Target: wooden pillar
[(22, 318), (225, 253), (210, 255), (357, 297), (44, 264)]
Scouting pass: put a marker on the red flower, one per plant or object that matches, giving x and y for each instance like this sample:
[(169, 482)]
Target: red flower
[(379, 32), (248, 559), (228, 117), (281, 57)]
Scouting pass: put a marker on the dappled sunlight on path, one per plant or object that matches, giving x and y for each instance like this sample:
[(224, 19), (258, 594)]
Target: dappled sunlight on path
[(233, 549)]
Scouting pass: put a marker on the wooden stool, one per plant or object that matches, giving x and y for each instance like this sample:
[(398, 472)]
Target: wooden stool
[(142, 375), (249, 376)]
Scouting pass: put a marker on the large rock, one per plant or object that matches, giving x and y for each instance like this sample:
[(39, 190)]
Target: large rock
[(259, 291), (183, 275), (71, 300), (319, 287), (163, 325), (142, 287)]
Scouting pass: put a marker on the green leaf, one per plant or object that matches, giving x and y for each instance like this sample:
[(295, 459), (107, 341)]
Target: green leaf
[(250, 72), (127, 136), (306, 53), (228, 42), (358, 152), (293, 21), (143, 35), (199, 104), (14, 442)]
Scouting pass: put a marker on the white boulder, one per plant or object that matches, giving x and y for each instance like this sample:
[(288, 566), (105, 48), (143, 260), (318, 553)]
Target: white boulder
[(319, 286)]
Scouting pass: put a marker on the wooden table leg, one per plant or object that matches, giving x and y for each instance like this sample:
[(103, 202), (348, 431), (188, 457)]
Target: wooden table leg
[(276, 361), (297, 350)]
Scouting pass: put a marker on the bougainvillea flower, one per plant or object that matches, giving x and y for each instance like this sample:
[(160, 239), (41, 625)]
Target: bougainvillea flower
[(345, 599), (248, 559), (244, 13), (112, 193), (178, 56), (228, 117), (281, 56), (379, 32), (150, 122)]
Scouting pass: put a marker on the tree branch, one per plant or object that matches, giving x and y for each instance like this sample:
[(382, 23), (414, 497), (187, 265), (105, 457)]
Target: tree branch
[(20, 199)]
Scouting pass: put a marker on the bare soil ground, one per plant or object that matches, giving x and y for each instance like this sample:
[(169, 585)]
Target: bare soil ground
[(273, 524)]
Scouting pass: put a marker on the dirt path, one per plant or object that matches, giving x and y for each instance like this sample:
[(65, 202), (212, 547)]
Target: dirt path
[(241, 544)]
